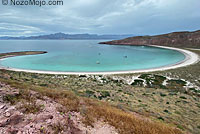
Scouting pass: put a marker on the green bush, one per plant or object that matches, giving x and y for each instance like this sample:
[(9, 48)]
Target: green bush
[(137, 82)]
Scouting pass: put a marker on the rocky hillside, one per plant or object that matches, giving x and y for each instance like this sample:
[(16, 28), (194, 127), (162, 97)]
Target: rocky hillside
[(176, 39)]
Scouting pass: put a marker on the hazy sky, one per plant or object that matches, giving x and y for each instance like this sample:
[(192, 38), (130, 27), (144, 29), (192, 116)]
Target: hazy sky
[(101, 17)]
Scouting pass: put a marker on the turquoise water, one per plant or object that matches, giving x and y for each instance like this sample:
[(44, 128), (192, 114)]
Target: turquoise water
[(86, 56)]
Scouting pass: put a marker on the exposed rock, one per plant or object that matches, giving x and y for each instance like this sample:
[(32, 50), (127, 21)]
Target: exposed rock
[(7, 114), (2, 106), (77, 127), (48, 120)]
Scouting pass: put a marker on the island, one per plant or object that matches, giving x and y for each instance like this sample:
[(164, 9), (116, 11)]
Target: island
[(63, 36)]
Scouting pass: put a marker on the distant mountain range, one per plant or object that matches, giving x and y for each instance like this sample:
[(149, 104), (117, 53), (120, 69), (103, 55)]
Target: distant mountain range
[(63, 36), (175, 39)]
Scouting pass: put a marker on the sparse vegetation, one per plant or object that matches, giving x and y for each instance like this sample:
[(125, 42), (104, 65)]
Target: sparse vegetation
[(162, 95), (30, 107), (176, 84), (162, 104), (10, 98), (57, 128), (138, 83), (125, 122), (28, 102), (183, 97)]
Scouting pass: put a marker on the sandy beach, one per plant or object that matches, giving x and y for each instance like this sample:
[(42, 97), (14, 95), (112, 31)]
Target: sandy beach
[(190, 58)]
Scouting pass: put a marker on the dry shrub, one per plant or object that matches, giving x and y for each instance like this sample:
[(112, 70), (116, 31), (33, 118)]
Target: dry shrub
[(124, 122)]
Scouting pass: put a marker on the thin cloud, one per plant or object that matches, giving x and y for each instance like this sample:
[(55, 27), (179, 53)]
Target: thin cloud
[(102, 17)]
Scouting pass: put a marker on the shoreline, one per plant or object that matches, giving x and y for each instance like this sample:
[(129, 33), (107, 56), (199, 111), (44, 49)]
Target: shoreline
[(21, 53), (190, 58)]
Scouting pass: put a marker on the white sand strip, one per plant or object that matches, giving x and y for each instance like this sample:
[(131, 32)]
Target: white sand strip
[(191, 58)]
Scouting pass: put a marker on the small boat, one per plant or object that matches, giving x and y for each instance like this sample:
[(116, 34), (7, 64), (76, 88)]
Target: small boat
[(125, 56), (97, 62)]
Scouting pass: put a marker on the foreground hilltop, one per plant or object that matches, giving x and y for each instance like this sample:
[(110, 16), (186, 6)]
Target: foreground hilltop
[(175, 39)]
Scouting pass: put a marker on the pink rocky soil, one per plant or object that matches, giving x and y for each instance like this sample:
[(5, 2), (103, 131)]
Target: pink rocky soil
[(48, 119)]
